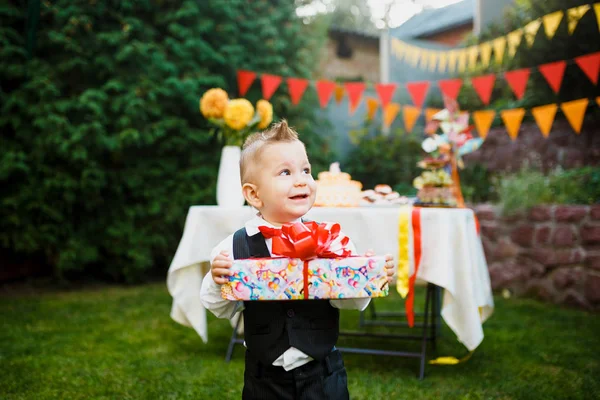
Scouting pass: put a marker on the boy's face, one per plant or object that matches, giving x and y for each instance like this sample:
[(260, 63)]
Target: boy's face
[(284, 184)]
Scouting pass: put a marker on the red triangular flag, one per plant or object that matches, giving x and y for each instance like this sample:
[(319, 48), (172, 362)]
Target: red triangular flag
[(270, 83), (417, 91), (483, 86), (385, 92), (296, 86), (324, 91), (517, 80), (590, 64), (354, 90), (450, 87), (554, 72), (245, 79)]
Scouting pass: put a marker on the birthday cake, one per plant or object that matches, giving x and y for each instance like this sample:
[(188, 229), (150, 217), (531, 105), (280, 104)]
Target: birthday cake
[(337, 189)]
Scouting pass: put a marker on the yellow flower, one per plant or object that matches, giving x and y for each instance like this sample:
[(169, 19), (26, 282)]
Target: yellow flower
[(265, 110), (213, 103), (238, 113)]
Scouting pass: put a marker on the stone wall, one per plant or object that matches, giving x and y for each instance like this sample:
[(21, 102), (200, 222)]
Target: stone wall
[(550, 252)]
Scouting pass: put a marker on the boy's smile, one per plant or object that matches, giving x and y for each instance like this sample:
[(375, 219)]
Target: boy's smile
[(285, 188)]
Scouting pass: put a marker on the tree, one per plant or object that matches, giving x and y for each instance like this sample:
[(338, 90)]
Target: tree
[(103, 145)]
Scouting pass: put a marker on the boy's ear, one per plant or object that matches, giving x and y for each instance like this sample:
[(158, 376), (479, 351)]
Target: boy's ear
[(250, 193)]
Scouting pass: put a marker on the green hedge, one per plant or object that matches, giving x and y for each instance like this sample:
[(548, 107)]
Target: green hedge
[(103, 146), (528, 188)]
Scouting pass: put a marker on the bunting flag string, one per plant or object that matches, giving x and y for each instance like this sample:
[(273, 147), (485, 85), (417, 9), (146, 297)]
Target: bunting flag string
[(462, 58), (483, 85)]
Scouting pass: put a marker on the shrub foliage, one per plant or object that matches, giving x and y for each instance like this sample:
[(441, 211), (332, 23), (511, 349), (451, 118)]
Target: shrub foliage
[(103, 145)]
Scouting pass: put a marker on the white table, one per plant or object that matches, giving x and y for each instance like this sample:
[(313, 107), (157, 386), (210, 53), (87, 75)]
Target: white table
[(452, 258)]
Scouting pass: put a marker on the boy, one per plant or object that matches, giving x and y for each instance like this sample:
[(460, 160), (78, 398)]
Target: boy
[(290, 344)]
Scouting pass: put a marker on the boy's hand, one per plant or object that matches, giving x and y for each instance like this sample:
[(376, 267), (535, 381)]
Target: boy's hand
[(219, 269), (389, 264)]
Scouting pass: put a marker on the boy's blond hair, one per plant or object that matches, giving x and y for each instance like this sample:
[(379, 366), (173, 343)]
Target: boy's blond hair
[(256, 143)]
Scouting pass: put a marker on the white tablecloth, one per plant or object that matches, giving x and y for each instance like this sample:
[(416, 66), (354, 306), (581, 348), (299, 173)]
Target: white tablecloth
[(452, 258)]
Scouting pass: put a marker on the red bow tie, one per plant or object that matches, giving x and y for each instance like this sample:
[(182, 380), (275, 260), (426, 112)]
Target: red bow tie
[(269, 232)]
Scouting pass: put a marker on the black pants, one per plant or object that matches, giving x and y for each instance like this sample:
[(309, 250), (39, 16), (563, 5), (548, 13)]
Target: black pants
[(316, 380)]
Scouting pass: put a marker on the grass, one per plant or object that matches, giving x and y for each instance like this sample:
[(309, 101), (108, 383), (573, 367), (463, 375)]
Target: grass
[(120, 343)]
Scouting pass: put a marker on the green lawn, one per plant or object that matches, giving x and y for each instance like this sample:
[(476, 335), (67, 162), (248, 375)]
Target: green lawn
[(120, 343)]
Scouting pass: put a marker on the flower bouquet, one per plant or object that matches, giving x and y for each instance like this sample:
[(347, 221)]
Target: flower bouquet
[(234, 118), (445, 153)]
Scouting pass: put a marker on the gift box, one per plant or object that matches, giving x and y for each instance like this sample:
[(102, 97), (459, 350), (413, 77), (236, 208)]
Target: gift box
[(320, 278), (314, 263)]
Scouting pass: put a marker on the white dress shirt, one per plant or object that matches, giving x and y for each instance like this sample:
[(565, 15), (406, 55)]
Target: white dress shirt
[(210, 295)]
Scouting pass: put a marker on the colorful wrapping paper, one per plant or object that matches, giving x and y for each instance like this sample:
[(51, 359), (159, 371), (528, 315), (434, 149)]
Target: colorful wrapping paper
[(319, 278)]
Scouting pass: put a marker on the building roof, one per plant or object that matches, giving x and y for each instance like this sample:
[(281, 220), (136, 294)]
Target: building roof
[(436, 20)]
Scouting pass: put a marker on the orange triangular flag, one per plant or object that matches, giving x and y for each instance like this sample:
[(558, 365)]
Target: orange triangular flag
[(574, 15), (411, 114), (430, 112), (372, 105), (575, 111), (338, 93), (483, 121), (598, 100), (544, 116), (512, 120), (389, 114)]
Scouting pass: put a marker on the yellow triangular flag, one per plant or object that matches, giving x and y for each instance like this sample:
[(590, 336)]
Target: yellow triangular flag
[(483, 121), (512, 120), (432, 61), (514, 39), (544, 117), (473, 52), (485, 49), (389, 113), (411, 114), (452, 60), (531, 29), (575, 14), (443, 61), (551, 23), (430, 112), (416, 56), (462, 60), (597, 11), (424, 58), (499, 45), (575, 111), (399, 48), (372, 105)]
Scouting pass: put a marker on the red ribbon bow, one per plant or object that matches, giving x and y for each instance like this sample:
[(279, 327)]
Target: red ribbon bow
[(305, 240)]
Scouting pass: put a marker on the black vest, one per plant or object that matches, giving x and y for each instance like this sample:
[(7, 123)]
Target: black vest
[(272, 327)]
